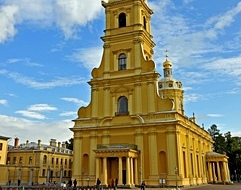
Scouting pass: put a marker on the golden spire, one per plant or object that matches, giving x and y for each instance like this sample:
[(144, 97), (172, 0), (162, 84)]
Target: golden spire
[(166, 54)]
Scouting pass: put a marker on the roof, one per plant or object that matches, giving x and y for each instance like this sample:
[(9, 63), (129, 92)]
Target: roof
[(4, 138)]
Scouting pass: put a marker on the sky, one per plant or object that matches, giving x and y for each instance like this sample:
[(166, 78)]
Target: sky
[(49, 47)]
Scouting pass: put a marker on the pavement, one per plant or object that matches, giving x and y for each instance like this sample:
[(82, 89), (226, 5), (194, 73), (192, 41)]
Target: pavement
[(234, 186)]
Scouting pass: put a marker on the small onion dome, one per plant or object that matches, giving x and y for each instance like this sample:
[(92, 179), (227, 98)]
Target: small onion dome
[(167, 64)]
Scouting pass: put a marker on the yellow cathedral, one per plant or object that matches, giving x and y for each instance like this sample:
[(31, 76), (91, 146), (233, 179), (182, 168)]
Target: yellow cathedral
[(134, 128)]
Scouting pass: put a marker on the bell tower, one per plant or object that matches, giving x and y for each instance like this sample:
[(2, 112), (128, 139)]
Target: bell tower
[(127, 41), (125, 83)]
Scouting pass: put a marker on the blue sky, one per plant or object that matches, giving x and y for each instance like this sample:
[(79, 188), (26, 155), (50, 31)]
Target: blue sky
[(49, 47)]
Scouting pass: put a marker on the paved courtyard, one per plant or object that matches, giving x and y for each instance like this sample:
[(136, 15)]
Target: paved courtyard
[(235, 186)]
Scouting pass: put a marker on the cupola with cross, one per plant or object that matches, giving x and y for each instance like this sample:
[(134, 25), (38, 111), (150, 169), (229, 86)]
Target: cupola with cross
[(171, 88)]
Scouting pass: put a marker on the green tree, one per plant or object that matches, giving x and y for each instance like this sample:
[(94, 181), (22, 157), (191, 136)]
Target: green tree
[(219, 144), (70, 144), (231, 146)]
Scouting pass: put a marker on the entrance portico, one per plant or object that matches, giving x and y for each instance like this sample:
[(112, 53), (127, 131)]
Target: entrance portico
[(217, 167), (117, 162)]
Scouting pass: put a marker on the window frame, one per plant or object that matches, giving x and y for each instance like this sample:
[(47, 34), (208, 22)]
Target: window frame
[(122, 60)]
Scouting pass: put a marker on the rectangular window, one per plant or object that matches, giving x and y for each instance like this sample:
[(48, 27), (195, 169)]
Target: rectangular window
[(30, 160), (57, 161), (14, 160), (43, 173), (20, 160), (1, 146)]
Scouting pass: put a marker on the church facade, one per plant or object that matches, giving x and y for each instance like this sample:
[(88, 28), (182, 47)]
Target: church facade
[(134, 128)]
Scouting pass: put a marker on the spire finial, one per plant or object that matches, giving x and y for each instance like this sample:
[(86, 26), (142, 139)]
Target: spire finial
[(166, 54)]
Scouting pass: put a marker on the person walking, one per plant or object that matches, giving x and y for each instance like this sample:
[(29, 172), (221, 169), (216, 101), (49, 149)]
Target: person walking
[(75, 183), (98, 182), (19, 182), (143, 185), (116, 183)]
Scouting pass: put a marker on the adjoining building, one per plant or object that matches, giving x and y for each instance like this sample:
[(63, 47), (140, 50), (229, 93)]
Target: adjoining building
[(35, 163), (134, 127), (3, 159)]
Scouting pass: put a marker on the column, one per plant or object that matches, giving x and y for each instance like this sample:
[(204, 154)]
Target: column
[(210, 172), (219, 174), (214, 173), (131, 171), (114, 104), (151, 101), (77, 168), (106, 101), (105, 171), (128, 64), (115, 62), (226, 179), (138, 102), (136, 171), (120, 171), (153, 156), (93, 143), (228, 173), (94, 104), (97, 168), (130, 103), (127, 170)]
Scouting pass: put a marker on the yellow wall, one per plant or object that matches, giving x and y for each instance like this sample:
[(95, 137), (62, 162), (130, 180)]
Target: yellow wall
[(3, 151)]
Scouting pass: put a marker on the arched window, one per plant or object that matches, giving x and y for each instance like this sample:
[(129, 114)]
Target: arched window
[(122, 62), (144, 22), (122, 20), (122, 106)]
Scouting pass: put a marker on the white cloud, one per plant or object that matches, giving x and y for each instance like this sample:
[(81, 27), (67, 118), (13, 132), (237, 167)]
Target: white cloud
[(76, 101), (214, 115), (41, 107), (25, 61), (185, 37), (192, 97), (32, 111), (31, 114), (7, 22), (3, 102), (68, 15), (73, 13), (33, 83), (25, 129), (230, 67), (88, 57), (227, 18), (70, 113)]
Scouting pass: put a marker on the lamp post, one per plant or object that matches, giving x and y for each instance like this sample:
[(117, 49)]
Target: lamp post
[(176, 172), (88, 181)]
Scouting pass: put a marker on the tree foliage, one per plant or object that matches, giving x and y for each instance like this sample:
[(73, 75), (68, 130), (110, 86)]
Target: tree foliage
[(226, 144), (70, 144)]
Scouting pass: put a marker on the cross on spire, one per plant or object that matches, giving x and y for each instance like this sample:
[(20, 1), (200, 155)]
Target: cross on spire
[(166, 54)]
